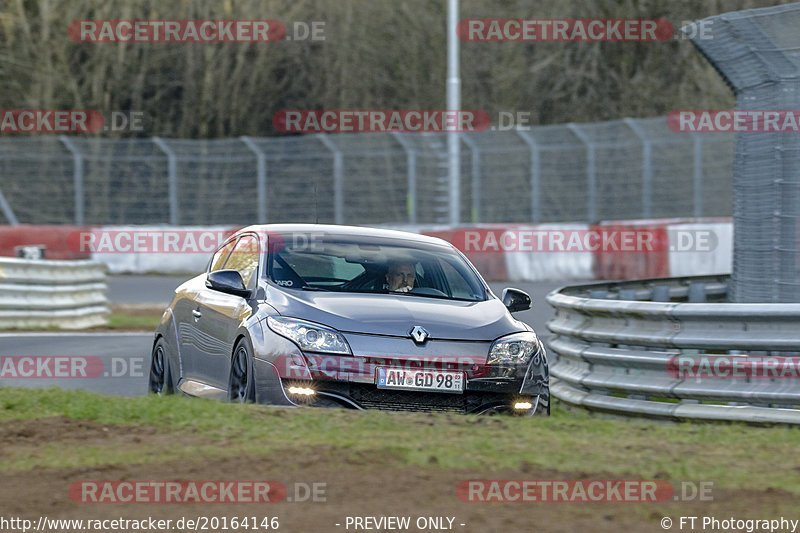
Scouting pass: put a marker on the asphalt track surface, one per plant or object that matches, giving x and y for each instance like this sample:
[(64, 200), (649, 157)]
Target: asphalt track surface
[(126, 356)]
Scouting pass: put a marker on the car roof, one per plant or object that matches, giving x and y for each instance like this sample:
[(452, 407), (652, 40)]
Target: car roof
[(355, 231)]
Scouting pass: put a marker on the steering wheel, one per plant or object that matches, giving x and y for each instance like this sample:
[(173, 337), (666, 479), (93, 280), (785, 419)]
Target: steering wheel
[(427, 290)]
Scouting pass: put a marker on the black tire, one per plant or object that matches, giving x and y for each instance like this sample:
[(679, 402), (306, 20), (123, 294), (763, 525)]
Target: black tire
[(160, 382), (241, 381)]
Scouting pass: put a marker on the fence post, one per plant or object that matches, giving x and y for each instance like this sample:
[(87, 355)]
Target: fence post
[(477, 186), (261, 179), (172, 176), (698, 175), (7, 211), (411, 172), (647, 167), (77, 175), (536, 173), (591, 173), (338, 179)]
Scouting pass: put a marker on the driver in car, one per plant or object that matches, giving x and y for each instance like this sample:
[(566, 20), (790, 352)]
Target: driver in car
[(401, 276)]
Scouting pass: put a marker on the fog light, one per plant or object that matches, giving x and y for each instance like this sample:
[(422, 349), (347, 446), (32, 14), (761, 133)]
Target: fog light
[(301, 391), (523, 406)]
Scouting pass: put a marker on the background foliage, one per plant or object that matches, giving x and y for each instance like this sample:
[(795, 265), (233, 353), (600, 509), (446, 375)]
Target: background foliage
[(377, 54)]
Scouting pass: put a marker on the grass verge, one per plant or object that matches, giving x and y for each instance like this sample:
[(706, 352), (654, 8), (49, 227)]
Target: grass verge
[(734, 455)]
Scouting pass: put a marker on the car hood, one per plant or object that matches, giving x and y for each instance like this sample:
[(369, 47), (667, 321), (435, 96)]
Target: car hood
[(395, 315)]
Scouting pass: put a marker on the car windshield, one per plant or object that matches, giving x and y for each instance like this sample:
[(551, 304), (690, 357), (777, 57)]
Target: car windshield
[(358, 264)]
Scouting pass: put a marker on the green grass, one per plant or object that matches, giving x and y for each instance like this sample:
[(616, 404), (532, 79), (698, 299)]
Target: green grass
[(118, 320), (733, 455)]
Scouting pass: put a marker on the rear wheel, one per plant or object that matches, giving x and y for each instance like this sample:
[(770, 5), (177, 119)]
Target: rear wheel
[(160, 375), (241, 382)]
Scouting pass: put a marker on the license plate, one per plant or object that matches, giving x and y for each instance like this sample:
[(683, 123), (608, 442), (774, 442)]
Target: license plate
[(429, 380)]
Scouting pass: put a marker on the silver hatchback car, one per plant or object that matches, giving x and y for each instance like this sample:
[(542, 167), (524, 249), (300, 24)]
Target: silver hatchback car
[(340, 316)]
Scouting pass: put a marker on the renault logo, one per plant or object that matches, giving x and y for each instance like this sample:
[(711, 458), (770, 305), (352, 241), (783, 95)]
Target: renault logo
[(419, 334)]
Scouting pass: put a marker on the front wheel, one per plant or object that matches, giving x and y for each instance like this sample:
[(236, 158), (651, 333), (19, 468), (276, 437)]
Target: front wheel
[(542, 405), (160, 374), (241, 382)]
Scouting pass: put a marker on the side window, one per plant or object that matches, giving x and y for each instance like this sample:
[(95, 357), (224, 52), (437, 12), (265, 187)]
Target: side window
[(219, 259), (244, 259), (458, 285), (344, 271)]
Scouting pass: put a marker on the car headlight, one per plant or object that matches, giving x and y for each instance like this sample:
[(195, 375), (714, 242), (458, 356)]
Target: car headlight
[(514, 349), (309, 336)]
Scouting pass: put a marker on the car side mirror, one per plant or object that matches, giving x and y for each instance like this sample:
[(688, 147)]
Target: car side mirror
[(227, 281), (516, 300)]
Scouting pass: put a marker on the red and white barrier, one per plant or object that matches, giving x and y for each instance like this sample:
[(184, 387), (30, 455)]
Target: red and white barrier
[(502, 252), (52, 238), (632, 249), (163, 249)]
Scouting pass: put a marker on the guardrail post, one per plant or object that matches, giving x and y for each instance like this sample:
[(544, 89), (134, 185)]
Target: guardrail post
[(536, 175), (338, 179), (411, 173), (698, 175), (476, 177), (77, 174), (661, 293), (7, 211), (627, 294), (697, 292), (647, 167), (172, 176), (591, 173), (261, 179)]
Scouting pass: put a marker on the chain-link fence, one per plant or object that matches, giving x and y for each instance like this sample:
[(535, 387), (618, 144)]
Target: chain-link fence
[(758, 53), (574, 172)]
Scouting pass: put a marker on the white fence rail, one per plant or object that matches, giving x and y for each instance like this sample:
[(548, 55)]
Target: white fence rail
[(62, 294)]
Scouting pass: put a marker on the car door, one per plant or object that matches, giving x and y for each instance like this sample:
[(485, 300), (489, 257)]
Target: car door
[(187, 313), (218, 315)]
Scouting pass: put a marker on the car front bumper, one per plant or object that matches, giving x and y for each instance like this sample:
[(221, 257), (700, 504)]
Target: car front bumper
[(350, 380)]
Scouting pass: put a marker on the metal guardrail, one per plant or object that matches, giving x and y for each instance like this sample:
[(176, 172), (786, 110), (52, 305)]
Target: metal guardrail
[(63, 294), (614, 342)]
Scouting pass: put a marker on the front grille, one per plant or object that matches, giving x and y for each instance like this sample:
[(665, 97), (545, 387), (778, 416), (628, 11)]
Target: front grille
[(370, 397)]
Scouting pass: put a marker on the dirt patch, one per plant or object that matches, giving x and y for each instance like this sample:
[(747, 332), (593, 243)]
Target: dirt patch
[(69, 431), (356, 485)]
